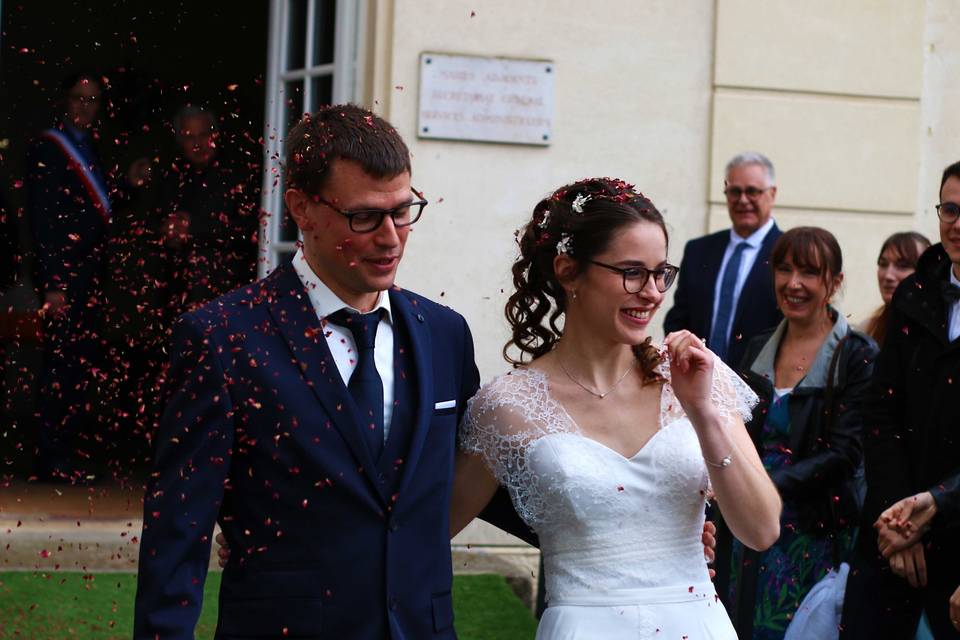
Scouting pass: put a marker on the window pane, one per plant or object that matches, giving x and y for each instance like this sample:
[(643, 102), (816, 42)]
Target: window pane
[(324, 28), (296, 33), (322, 89), (293, 101)]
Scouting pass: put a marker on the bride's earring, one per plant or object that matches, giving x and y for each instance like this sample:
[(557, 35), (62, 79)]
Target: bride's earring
[(573, 294)]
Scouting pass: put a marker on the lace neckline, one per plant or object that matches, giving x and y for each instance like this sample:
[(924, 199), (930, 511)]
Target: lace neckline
[(551, 401)]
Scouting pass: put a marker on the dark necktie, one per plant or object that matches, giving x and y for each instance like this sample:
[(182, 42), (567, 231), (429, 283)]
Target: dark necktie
[(365, 385), (728, 285)]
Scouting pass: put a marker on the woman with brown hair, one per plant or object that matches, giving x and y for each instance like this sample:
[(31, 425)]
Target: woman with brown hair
[(810, 374), (608, 446), (897, 260)]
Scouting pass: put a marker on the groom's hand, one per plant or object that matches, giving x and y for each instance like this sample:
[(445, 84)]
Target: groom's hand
[(709, 544), (223, 553)]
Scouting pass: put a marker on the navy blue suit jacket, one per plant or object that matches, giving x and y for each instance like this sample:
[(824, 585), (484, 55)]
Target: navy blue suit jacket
[(69, 234), (262, 436), (693, 302)]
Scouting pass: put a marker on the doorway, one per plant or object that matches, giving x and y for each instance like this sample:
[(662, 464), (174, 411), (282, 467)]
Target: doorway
[(153, 59)]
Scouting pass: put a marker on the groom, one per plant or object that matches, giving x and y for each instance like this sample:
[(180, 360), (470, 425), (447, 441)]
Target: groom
[(314, 416)]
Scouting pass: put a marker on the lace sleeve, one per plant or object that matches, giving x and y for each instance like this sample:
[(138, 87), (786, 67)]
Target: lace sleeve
[(501, 422), (730, 394)]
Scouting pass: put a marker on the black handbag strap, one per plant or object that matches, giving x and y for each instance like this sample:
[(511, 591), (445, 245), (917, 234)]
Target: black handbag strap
[(828, 428)]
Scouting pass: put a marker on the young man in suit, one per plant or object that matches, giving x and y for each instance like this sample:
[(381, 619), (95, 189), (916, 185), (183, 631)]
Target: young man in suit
[(725, 289), (314, 416), (911, 445)]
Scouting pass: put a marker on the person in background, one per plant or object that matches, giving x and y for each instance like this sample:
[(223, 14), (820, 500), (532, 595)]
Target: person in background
[(912, 446), (9, 275), (810, 373), (210, 226), (69, 209), (724, 293), (897, 260)]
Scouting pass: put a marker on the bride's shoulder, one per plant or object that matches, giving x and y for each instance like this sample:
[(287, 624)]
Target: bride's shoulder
[(514, 405), (517, 387)]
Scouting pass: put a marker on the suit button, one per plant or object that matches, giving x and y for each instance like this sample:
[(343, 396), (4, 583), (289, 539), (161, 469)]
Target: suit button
[(381, 477), (393, 527), (393, 604)]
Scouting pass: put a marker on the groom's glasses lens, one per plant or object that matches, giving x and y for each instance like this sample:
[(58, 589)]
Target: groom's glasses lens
[(367, 220)]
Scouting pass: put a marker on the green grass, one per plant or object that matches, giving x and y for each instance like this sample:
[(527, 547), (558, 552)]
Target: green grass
[(485, 608), (76, 605)]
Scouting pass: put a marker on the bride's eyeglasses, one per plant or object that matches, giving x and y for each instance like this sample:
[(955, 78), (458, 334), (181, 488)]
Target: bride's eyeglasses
[(635, 278)]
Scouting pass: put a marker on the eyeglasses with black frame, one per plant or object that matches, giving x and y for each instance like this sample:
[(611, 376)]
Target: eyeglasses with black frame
[(368, 220), (948, 211), (752, 193), (635, 278)]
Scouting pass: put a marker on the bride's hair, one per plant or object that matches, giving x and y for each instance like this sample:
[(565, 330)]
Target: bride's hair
[(580, 220)]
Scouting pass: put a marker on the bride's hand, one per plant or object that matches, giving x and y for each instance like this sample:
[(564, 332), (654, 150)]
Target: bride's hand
[(691, 372)]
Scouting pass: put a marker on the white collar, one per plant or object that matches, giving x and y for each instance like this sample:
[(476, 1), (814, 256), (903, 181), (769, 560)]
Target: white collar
[(953, 277), (325, 302), (755, 239)]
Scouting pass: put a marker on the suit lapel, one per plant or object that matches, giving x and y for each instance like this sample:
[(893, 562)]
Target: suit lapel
[(422, 351), (296, 320), (712, 262)]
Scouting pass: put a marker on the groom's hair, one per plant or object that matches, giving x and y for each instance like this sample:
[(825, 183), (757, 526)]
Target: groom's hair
[(347, 132)]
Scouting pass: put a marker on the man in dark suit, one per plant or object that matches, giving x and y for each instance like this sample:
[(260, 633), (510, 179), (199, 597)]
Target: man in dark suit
[(725, 289), (69, 211), (911, 445), (314, 416)]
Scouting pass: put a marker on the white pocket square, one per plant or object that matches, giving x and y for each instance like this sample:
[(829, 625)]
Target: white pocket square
[(446, 404)]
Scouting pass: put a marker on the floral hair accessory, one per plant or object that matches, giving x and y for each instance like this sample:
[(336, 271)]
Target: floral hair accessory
[(545, 220), (579, 201), (563, 246)]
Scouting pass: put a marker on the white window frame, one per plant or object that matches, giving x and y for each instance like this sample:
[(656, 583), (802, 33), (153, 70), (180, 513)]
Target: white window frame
[(350, 16)]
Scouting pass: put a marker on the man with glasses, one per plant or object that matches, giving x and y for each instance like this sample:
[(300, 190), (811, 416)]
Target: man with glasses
[(725, 291), (911, 442), (314, 416)]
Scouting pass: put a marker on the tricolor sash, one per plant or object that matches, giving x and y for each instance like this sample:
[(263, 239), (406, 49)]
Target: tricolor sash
[(76, 163)]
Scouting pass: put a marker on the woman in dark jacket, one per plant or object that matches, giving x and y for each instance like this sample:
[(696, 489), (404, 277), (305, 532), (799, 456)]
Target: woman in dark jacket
[(811, 373)]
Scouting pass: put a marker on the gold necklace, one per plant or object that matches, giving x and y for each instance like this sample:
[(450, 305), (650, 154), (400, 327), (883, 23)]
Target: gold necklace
[(588, 389)]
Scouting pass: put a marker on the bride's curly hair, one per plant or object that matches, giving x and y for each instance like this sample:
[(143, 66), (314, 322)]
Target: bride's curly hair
[(579, 219)]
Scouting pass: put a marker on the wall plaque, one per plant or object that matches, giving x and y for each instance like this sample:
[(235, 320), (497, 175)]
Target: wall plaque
[(486, 99)]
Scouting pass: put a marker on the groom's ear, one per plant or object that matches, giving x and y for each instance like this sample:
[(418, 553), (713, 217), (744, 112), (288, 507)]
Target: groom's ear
[(297, 204)]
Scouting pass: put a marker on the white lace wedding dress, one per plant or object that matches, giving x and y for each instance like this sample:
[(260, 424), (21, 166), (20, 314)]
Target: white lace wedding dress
[(620, 536)]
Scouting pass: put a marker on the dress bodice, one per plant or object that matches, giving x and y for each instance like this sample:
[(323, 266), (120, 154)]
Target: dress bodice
[(610, 527)]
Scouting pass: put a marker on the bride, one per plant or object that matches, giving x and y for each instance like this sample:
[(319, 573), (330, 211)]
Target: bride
[(608, 446)]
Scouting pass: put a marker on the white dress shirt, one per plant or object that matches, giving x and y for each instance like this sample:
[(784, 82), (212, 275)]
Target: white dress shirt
[(342, 346), (953, 313), (747, 260)]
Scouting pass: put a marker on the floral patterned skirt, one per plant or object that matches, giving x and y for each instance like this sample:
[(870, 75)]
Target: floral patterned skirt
[(785, 574)]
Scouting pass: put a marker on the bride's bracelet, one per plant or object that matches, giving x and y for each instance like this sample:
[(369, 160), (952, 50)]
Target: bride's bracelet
[(725, 462)]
